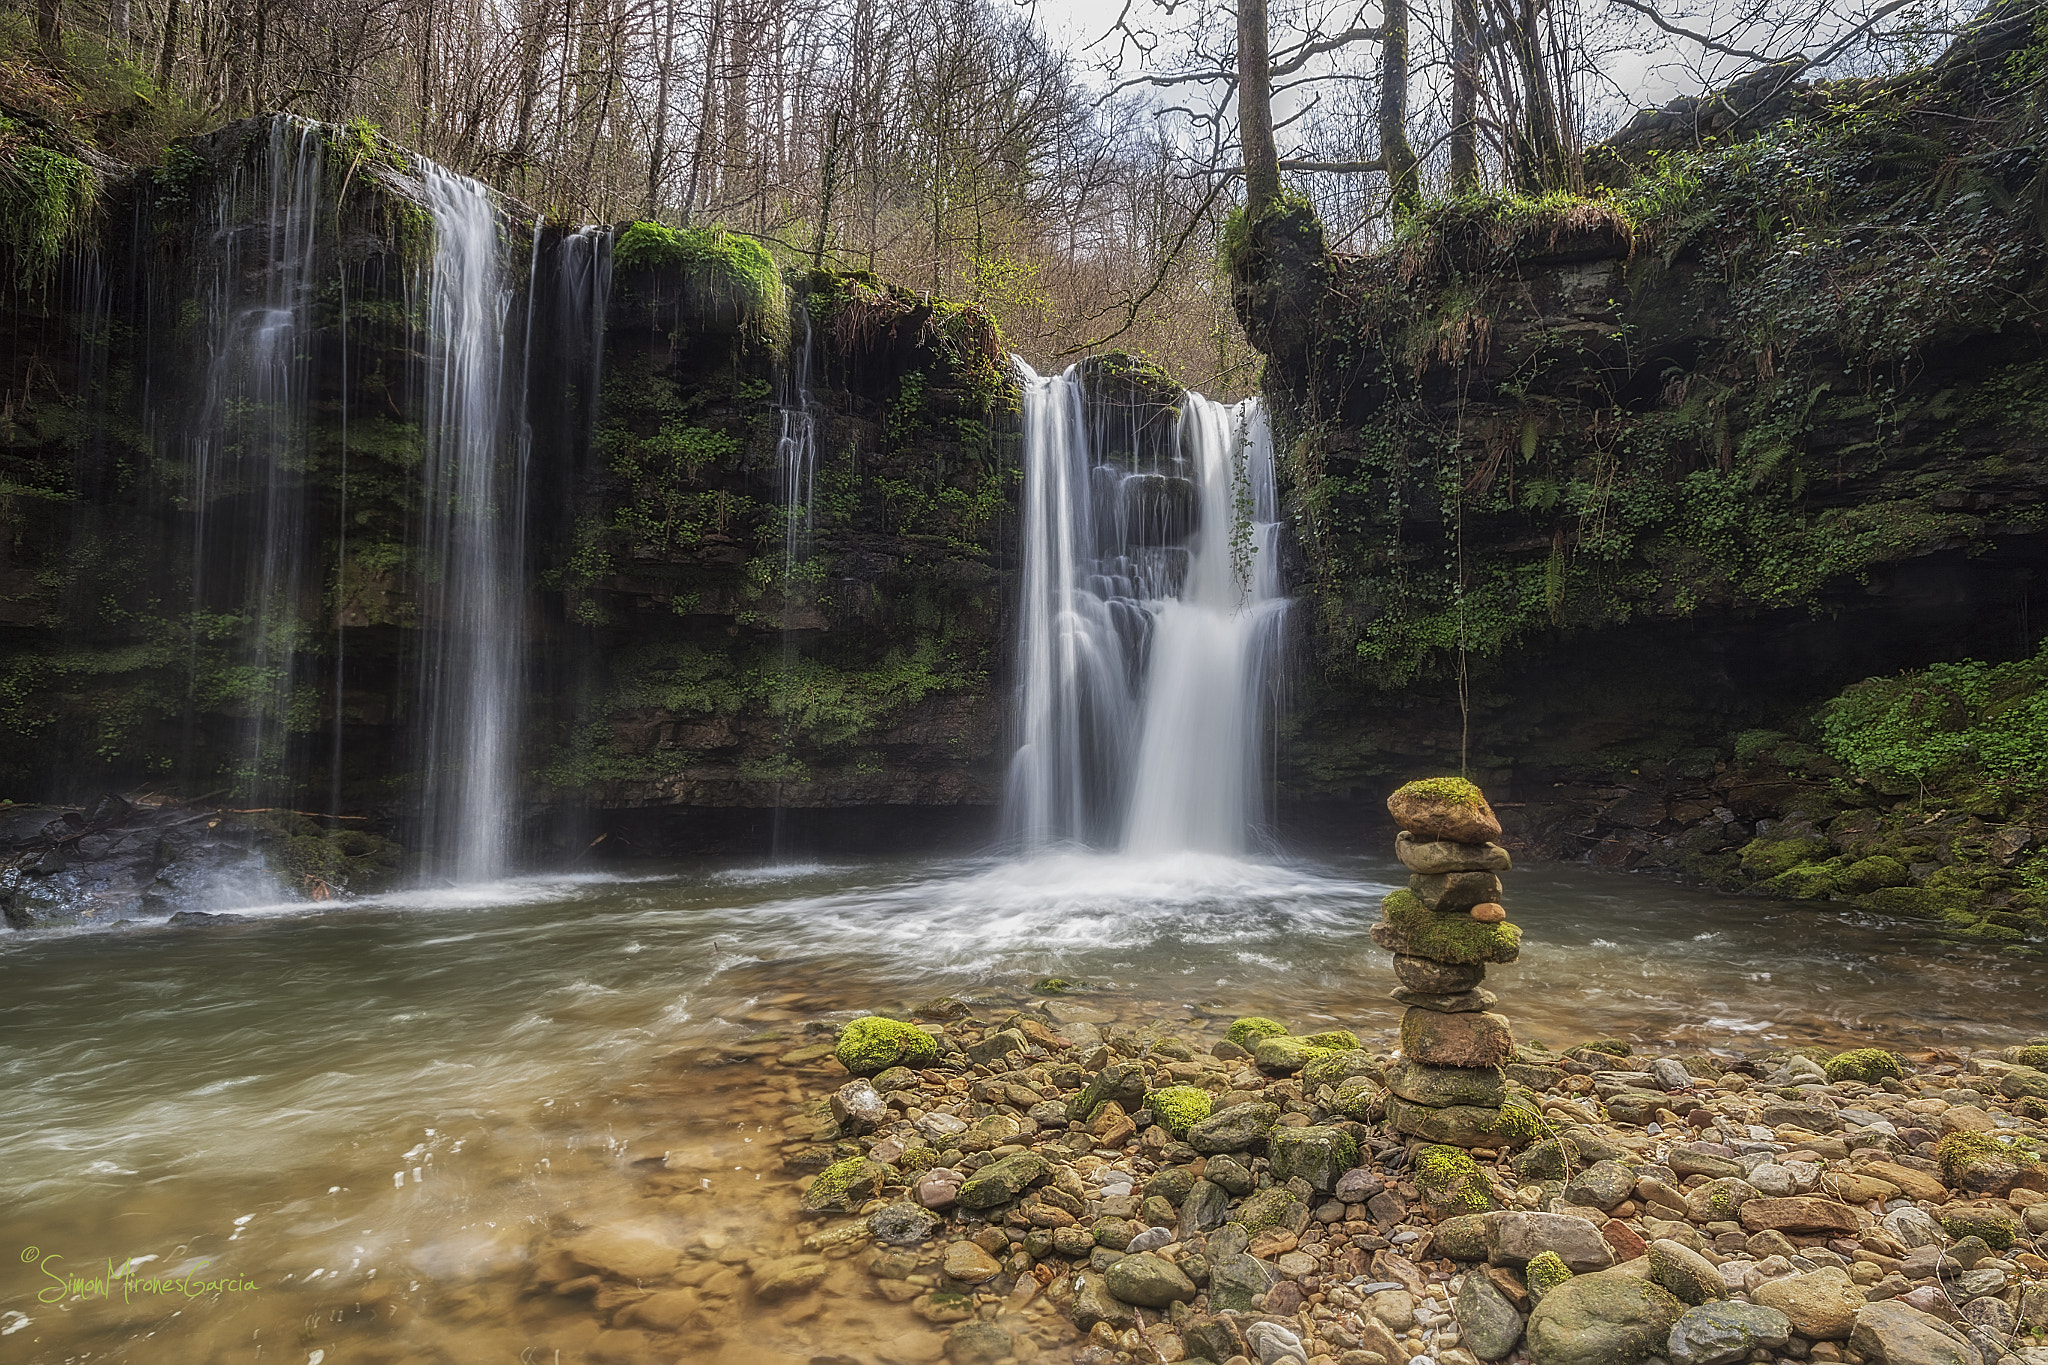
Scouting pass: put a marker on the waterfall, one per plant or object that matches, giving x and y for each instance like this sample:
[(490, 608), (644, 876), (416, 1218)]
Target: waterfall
[(1150, 617), (246, 446), (796, 461), (471, 541)]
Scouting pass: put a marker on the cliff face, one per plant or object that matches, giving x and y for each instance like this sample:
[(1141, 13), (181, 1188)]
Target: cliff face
[(1656, 464), (214, 578), (1639, 472)]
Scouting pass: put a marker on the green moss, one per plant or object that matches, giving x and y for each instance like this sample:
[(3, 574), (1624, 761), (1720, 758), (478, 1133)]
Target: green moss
[(1959, 1152), (48, 200), (1179, 1107), (1247, 1031), (1944, 723), (1996, 1226), (1763, 859), (1450, 1181), (1455, 791), (1545, 1273), (1361, 1099), (1807, 881), (1283, 1056), (873, 1044), (1339, 1039), (845, 1185), (1613, 1047), (1866, 1064), (1408, 926), (2034, 1055), (728, 270), (1334, 1068)]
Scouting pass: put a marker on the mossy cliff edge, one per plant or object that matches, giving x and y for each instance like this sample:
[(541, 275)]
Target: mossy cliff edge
[(680, 655), (1678, 459)]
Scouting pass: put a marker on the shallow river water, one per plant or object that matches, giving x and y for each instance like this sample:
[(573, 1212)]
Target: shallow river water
[(373, 1115)]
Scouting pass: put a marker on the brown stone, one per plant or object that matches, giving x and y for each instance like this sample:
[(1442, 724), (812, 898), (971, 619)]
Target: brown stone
[(1437, 978), (1461, 1002), (1913, 1184), (1474, 1040), (1796, 1214), (1443, 856), (1449, 892), (1627, 1245), (1489, 912), (1447, 808)]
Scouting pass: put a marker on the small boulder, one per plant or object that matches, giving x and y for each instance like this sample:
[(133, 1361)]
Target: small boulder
[(1236, 1129), (1456, 1040), (1316, 1154), (1487, 1323), (1444, 808), (1821, 1305), (999, 1182), (1149, 1281), (870, 1046), (1889, 1332), (1723, 1333), (1516, 1238), (845, 1185), (859, 1108), (1608, 1318), (1691, 1277)]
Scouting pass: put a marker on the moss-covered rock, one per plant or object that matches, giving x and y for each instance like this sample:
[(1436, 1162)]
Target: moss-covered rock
[(1765, 858), (871, 1045), (1866, 1064), (1446, 808), (1334, 1068), (1247, 1031), (1336, 1039), (1361, 1099), (1993, 1222), (1274, 1209), (1983, 1165), (1544, 1273), (845, 1185), (1179, 1107), (1409, 927), (1450, 1182), (1316, 1154), (1284, 1056)]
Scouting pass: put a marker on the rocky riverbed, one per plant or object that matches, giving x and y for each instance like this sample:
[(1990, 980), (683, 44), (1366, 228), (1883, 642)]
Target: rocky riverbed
[(1049, 1184)]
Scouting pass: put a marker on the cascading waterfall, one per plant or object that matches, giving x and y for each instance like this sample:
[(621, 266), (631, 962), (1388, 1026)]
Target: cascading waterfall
[(796, 457), (1150, 620), (247, 448), (471, 539)]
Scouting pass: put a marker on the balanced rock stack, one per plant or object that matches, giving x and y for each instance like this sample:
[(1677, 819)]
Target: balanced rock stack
[(1448, 1085)]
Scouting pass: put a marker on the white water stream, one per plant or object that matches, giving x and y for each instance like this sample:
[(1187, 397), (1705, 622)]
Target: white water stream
[(473, 542), (1150, 621)]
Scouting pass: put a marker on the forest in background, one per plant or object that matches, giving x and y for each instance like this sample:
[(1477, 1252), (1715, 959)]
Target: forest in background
[(1079, 193)]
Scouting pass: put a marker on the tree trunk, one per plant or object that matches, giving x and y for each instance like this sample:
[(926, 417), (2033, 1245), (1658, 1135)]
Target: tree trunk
[(49, 27), (825, 194), (707, 111), (1542, 154), (657, 162), (1255, 110), (1403, 184), (533, 41), (167, 56), (1464, 96)]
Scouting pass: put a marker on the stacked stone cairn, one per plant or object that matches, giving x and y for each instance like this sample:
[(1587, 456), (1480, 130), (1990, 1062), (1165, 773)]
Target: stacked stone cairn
[(1449, 1086)]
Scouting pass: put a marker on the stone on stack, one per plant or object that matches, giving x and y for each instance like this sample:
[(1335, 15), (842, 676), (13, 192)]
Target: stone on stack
[(1448, 1086)]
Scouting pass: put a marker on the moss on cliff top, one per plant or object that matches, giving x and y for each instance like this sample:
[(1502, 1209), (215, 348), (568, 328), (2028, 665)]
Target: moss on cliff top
[(726, 270)]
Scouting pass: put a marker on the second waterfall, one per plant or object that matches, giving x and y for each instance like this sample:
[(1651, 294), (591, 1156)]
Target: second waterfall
[(1150, 621)]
